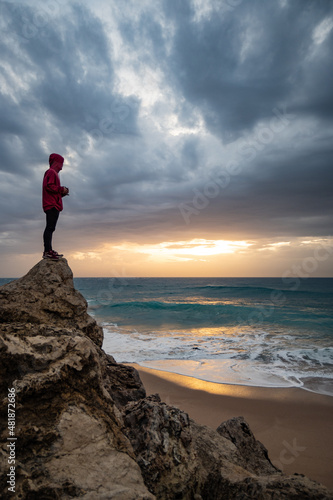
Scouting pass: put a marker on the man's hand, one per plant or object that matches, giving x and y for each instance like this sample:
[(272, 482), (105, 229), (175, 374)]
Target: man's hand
[(65, 191)]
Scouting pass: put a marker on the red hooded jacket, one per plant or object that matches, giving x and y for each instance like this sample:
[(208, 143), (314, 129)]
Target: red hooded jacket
[(52, 190)]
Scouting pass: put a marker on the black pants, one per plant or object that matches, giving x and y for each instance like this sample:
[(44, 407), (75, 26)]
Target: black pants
[(51, 222)]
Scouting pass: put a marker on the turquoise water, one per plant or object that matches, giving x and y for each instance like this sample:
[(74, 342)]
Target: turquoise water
[(264, 332), (255, 331)]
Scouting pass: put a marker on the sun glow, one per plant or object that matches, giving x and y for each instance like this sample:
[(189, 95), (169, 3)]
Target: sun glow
[(187, 250), (202, 257), (86, 255)]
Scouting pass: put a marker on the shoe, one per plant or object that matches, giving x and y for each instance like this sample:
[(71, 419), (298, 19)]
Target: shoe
[(50, 255), (58, 254)]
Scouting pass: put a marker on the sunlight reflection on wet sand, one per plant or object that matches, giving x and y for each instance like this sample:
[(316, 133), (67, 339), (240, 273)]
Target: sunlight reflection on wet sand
[(239, 391)]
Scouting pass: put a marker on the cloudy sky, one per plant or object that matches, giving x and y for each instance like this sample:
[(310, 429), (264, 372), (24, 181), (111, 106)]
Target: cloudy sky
[(197, 135)]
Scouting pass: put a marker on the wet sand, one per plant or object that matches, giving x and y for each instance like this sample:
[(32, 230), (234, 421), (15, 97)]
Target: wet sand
[(296, 426)]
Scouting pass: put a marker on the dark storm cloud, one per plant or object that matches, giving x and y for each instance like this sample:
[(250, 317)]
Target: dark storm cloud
[(238, 64), (274, 69), (290, 196), (76, 86), (281, 66), (62, 73), (145, 34), (190, 153), (66, 63)]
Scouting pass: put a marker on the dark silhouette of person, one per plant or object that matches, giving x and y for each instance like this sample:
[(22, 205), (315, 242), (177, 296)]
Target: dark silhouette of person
[(53, 193)]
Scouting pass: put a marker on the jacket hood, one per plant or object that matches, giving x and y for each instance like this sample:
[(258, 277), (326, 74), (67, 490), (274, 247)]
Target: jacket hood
[(56, 161)]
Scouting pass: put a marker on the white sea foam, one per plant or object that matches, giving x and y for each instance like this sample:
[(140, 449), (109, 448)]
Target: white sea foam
[(254, 359), (223, 330), (224, 371)]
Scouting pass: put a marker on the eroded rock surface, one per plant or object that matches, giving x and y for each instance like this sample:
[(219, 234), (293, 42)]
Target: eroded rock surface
[(180, 459), (253, 453), (46, 294), (85, 428), (70, 441)]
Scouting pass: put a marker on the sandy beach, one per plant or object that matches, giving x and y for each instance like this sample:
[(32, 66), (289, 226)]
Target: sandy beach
[(296, 426)]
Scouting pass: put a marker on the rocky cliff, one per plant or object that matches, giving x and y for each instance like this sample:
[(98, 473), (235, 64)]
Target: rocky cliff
[(84, 427)]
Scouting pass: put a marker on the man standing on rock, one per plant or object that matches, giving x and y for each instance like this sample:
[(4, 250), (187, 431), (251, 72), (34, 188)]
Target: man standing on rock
[(52, 203)]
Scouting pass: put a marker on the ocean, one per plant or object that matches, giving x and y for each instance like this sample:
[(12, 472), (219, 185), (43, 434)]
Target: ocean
[(264, 332)]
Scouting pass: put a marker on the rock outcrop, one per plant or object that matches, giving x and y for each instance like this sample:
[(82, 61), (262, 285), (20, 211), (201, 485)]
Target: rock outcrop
[(85, 428), (254, 455), (47, 295), (70, 442), (180, 459)]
